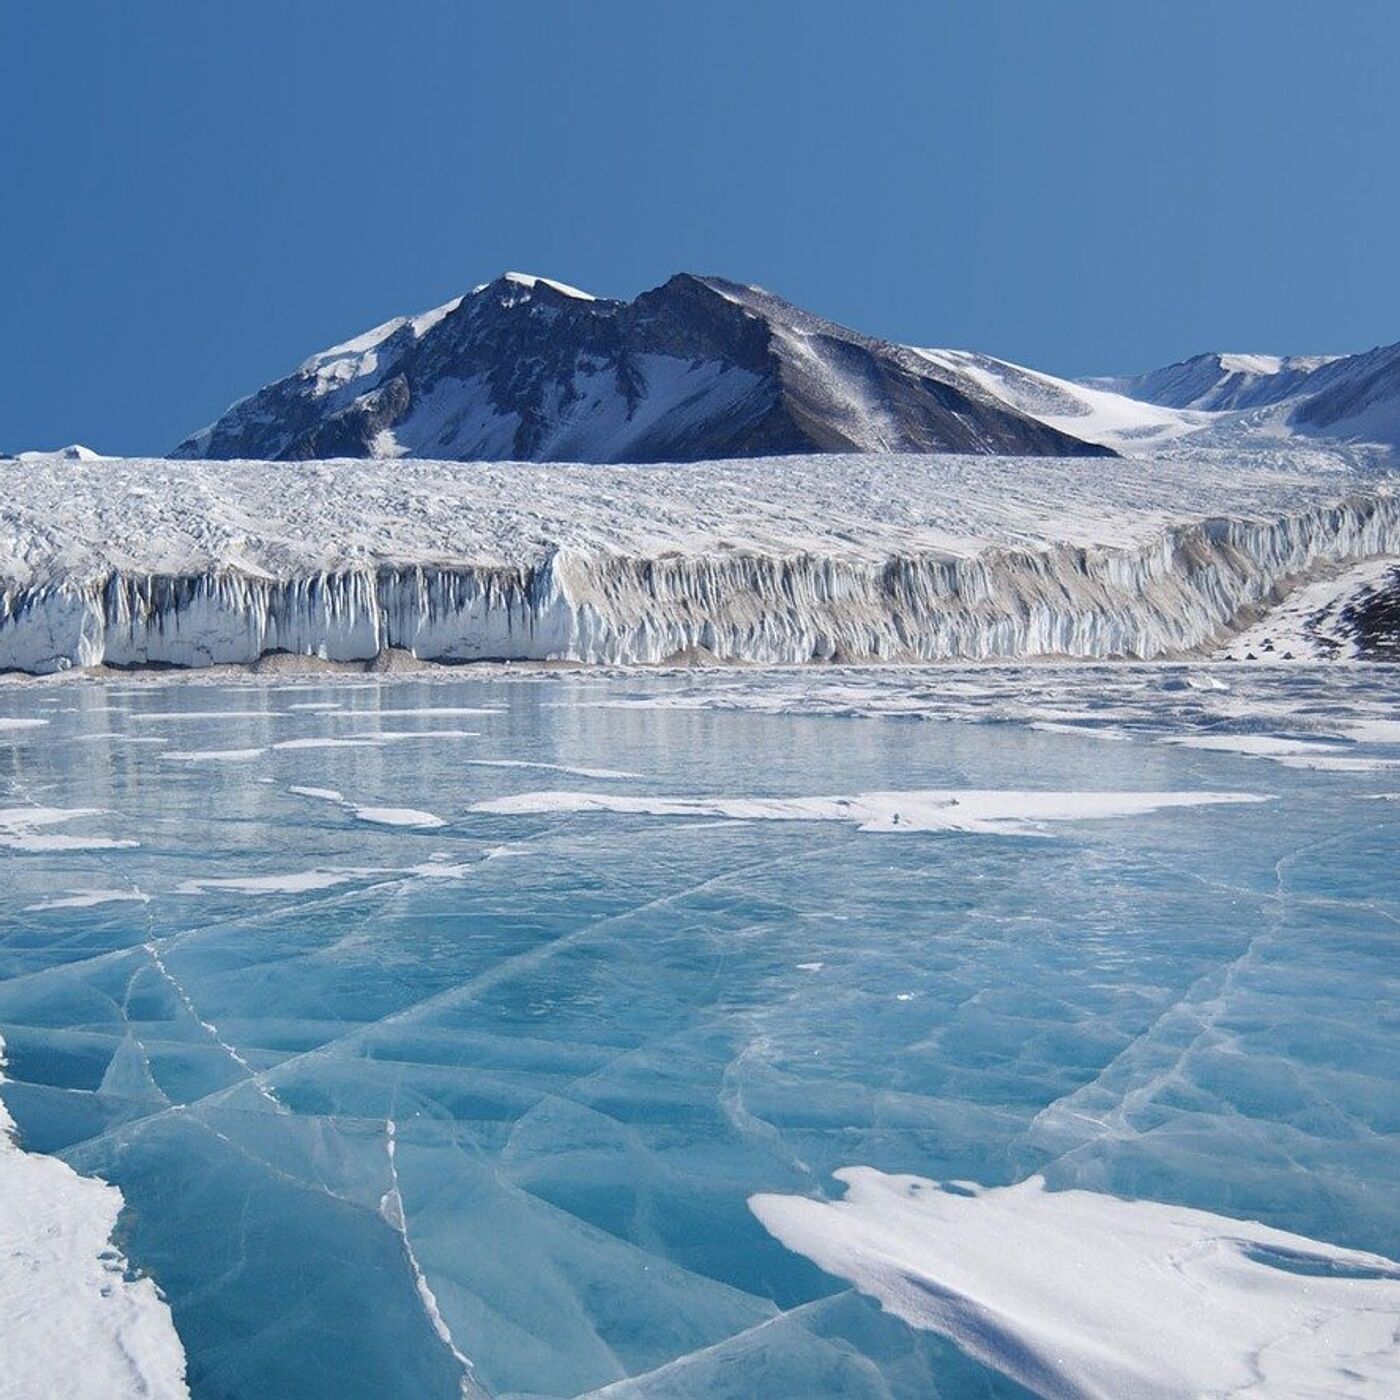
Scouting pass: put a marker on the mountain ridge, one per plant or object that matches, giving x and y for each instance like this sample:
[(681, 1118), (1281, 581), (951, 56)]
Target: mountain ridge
[(701, 368), (527, 368), (1350, 397)]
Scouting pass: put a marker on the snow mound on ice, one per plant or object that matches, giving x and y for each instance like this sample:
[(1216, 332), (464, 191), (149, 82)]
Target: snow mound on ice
[(21, 830), (959, 809), (71, 1322), (1077, 1294)]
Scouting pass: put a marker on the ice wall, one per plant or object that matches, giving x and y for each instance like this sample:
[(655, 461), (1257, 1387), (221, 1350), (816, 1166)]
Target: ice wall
[(1177, 591)]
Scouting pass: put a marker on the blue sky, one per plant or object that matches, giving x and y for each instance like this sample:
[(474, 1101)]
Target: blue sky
[(197, 195)]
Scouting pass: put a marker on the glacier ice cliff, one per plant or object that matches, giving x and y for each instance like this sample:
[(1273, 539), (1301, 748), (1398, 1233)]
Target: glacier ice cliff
[(130, 562), (1177, 590)]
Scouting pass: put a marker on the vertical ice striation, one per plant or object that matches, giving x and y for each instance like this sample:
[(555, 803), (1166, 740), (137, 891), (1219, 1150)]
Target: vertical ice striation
[(1172, 593)]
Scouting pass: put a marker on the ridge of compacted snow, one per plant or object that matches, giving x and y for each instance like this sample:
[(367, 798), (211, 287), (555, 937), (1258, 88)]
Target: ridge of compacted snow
[(72, 1323)]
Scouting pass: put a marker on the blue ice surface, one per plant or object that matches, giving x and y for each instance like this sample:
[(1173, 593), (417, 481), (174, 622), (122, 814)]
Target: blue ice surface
[(609, 1031)]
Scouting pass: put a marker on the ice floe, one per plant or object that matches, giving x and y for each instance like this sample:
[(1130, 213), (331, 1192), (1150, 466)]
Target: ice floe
[(1373, 731), (1330, 763), (293, 882), (396, 816), (328, 741), (323, 794)]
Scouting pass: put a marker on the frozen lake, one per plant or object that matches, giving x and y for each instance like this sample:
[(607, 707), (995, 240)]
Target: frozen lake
[(439, 1034)]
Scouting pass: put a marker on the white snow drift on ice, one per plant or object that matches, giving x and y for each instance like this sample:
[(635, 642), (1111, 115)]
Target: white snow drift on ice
[(1006, 813), (1076, 1294), (71, 1323)]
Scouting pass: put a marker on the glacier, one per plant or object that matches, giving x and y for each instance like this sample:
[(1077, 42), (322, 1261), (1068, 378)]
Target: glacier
[(774, 561)]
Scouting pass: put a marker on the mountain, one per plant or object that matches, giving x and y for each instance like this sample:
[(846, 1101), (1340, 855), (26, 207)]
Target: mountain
[(1353, 398), (1218, 382), (526, 368), (1356, 398), (74, 452)]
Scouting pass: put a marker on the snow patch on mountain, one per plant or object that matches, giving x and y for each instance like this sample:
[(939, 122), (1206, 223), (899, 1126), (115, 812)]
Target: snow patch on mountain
[(1348, 613), (1218, 381), (1127, 425), (357, 358)]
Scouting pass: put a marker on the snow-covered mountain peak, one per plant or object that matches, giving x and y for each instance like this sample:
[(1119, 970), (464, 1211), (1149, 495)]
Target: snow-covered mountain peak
[(530, 368), (530, 280), (357, 357), (74, 452), (1354, 398), (518, 288)]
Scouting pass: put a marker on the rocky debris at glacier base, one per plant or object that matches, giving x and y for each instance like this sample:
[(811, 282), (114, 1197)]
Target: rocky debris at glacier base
[(1350, 613), (777, 561)]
